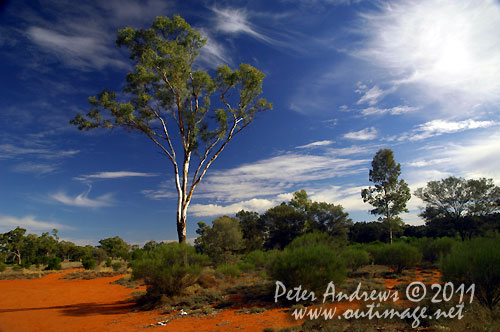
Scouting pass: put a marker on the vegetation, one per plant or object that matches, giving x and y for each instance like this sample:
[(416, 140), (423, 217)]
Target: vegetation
[(390, 194), (221, 241), (312, 265), (165, 89), (399, 256), (460, 205), (115, 247), (355, 258), (476, 262), (168, 269)]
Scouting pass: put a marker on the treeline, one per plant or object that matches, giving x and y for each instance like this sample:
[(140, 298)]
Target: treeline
[(25, 250)]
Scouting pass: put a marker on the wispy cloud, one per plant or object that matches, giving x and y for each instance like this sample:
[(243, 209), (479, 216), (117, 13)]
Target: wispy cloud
[(213, 54), (363, 135), (82, 200), (210, 210), (396, 110), (316, 144), (30, 223), (8, 151), (83, 37), (235, 21), (371, 96), (440, 127), (35, 168), (84, 52), (268, 177), (448, 50), (113, 175)]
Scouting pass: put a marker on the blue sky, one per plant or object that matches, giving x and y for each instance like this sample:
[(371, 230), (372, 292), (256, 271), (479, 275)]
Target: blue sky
[(346, 78)]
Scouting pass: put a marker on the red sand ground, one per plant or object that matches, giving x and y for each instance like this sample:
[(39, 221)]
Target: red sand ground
[(54, 304)]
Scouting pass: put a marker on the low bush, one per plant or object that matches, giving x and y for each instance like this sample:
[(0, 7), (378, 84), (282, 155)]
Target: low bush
[(228, 270), (313, 239), (433, 249), (261, 259), (116, 266), (88, 263), (245, 266), (53, 263), (375, 249), (168, 269), (355, 258), (2, 266), (476, 261), (108, 262), (399, 256), (311, 267)]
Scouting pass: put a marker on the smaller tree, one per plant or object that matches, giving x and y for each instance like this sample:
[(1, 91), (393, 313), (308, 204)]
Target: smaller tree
[(115, 247), (253, 229), (283, 223), (458, 204), (221, 241), (12, 242), (390, 194)]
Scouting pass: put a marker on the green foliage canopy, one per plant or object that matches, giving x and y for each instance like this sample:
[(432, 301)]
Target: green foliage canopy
[(390, 194), (166, 92)]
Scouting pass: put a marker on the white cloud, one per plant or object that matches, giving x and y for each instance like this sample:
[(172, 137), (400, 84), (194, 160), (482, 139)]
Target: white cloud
[(35, 168), (448, 50), (426, 163), (209, 210), (113, 175), (83, 36), (213, 54), (268, 177), (80, 51), (396, 110), (351, 150), (362, 135), (8, 151), (370, 96), (316, 144), (235, 21), (440, 127), (30, 223), (82, 200)]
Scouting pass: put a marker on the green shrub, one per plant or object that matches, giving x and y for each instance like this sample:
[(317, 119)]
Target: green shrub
[(476, 261), (432, 250), (229, 270), (168, 269), (312, 239), (375, 249), (16, 267), (26, 265), (108, 262), (261, 259), (355, 258), (311, 267), (88, 263), (399, 256), (53, 263), (2, 266), (245, 266), (116, 266)]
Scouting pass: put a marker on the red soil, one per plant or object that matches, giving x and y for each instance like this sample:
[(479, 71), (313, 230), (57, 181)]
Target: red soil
[(54, 304)]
